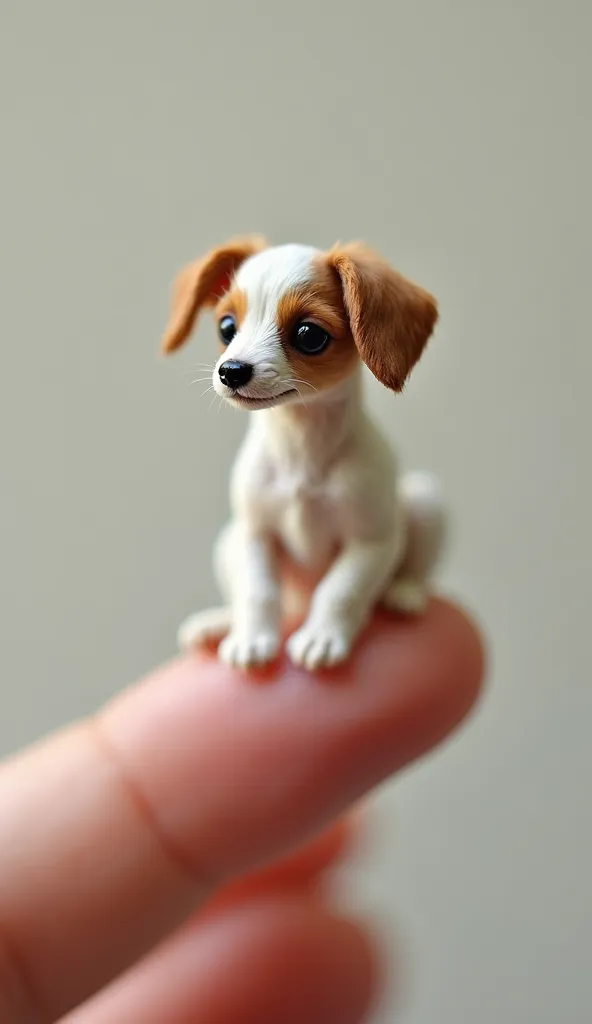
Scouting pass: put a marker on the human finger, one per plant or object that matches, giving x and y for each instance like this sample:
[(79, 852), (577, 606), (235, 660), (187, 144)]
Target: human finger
[(280, 958), (118, 827)]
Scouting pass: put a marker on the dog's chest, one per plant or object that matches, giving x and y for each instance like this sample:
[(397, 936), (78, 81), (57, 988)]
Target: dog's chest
[(301, 510)]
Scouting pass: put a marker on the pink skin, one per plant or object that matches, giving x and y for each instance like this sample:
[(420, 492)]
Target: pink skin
[(203, 788)]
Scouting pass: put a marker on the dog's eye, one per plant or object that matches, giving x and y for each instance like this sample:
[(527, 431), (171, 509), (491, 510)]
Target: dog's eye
[(227, 329), (309, 338)]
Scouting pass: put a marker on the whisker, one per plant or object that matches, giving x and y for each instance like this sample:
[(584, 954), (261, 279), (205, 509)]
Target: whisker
[(199, 380), (297, 380), (299, 393)]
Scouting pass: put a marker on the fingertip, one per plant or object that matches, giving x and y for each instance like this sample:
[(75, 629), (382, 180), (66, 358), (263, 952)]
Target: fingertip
[(444, 644), (301, 962), (413, 681), (465, 650), (354, 954)]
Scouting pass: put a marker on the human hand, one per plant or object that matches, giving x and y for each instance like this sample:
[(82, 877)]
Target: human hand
[(161, 861)]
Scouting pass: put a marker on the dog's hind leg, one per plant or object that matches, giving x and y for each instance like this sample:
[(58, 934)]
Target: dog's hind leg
[(208, 626), (423, 506)]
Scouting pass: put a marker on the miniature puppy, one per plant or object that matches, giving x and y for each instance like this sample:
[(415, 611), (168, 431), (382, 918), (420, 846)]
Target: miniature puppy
[(315, 481)]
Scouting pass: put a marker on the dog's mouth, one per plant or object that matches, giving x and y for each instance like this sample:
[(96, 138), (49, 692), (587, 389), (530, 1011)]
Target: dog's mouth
[(247, 402)]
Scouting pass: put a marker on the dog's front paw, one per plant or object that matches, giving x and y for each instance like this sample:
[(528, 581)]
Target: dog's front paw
[(318, 645), (249, 650)]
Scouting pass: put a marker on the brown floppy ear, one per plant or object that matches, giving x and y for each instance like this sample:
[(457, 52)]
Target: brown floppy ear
[(202, 283), (390, 318)]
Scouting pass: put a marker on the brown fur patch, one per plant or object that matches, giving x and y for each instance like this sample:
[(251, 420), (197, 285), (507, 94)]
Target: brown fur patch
[(391, 318), (321, 301), (201, 284), (234, 303)]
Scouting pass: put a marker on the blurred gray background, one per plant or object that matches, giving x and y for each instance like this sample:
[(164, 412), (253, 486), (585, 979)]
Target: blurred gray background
[(454, 136)]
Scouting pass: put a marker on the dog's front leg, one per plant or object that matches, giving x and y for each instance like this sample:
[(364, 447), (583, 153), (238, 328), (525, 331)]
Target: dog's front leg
[(251, 576), (343, 601)]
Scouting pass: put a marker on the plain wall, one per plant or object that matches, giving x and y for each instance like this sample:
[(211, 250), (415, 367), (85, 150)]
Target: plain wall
[(452, 135)]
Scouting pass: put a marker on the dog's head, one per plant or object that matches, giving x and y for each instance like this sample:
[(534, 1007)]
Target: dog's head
[(294, 321)]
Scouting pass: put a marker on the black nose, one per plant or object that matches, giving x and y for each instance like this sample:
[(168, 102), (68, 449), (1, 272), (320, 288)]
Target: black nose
[(235, 374)]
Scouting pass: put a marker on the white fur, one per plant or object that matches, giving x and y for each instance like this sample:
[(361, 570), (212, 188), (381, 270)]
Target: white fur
[(269, 274), (317, 481), (264, 278)]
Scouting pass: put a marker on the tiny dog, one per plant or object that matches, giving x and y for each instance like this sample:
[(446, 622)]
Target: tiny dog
[(315, 483)]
